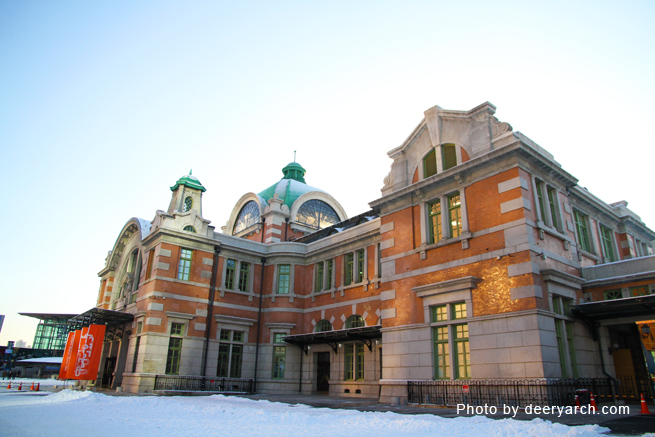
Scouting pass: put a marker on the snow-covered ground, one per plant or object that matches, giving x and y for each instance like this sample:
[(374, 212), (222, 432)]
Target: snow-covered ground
[(71, 413)]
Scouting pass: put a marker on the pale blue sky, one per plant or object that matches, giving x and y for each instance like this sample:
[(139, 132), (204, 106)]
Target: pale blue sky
[(104, 105)]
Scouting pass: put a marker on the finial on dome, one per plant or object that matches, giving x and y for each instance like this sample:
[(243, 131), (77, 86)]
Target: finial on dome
[(294, 156)]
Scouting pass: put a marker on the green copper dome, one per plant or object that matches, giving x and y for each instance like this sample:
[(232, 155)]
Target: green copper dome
[(189, 181), (290, 187)]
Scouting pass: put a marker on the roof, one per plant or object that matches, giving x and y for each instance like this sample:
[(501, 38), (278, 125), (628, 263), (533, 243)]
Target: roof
[(366, 334), (287, 190), (98, 316), (339, 227), (62, 318), (641, 306), (189, 181)]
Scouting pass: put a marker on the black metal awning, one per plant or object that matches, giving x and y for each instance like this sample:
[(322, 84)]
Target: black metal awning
[(98, 316), (366, 335), (641, 306)]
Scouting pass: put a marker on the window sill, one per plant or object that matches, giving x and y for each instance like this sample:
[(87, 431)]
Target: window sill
[(552, 231), (589, 255), (446, 242)]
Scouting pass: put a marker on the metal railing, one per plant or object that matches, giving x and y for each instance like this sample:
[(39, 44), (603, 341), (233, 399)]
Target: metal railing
[(499, 392), (203, 383)]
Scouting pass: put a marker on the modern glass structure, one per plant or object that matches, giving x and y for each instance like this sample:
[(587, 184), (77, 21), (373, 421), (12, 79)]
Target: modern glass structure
[(52, 330)]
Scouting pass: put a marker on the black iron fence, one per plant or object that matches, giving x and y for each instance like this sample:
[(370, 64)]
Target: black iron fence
[(518, 393), (203, 383)]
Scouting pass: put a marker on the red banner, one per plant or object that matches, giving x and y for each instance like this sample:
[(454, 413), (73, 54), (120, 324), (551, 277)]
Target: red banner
[(67, 353), (88, 352), (71, 354)]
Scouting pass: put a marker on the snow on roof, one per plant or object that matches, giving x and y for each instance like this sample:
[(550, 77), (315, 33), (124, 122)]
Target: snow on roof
[(45, 360)]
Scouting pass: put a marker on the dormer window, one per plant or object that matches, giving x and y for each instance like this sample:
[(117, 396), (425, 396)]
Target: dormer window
[(188, 204), (432, 165), (448, 156)]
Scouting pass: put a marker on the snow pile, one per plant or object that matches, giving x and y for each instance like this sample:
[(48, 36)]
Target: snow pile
[(71, 413)]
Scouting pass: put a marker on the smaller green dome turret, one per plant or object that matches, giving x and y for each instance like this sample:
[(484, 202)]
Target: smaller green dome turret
[(189, 181), (294, 171)]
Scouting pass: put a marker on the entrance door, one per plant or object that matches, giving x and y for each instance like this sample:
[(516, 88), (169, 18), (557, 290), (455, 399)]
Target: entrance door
[(323, 372), (108, 373)]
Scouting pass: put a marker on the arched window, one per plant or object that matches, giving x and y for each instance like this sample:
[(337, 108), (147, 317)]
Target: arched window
[(355, 321), (248, 217), (317, 214), (323, 326), (189, 229), (448, 156), (430, 164), (188, 204)]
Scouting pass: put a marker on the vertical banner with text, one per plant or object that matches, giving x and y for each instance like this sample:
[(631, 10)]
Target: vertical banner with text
[(70, 353), (88, 352)]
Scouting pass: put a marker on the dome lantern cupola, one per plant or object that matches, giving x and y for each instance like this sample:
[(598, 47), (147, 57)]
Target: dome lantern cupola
[(187, 195), (294, 171)]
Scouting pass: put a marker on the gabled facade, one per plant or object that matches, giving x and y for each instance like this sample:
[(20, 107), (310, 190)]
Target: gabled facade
[(465, 268)]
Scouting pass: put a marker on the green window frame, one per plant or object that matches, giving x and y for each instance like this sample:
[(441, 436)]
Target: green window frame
[(439, 313), (279, 360), (360, 266), (184, 268), (348, 274), (552, 202), (448, 156), (355, 321), (278, 337), (582, 228), (572, 359), (458, 310), (323, 326), (430, 164), (612, 294), (318, 283), (455, 215), (230, 269), (329, 269), (188, 204), (230, 354), (434, 220), (283, 278), (606, 240), (354, 362), (174, 354), (244, 274), (462, 351), (540, 199), (561, 347), (190, 229), (441, 352)]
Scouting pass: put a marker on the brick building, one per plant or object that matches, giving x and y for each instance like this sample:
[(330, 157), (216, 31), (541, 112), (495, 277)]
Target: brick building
[(466, 267)]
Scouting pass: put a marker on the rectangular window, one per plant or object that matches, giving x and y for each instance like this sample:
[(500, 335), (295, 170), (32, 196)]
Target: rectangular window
[(434, 221), (561, 347), (184, 268), (348, 277), (639, 291), (582, 226), (608, 247), (360, 266), (552, 202), (278, 337), (230, 354), (318, 283), (244, 270), (354, 362), (441, 352), (136, 354), (462, 352), (612, 294), (572, 359), (455, 215), (283, 279), (439, 313), (151, 258), (449, 156), (174, 349), (540, 198), (458, 310), (230, 267), (177, 329), (279, 358), (330, 266)]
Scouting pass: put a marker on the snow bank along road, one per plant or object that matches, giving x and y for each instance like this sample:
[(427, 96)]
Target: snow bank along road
[(71, 413)]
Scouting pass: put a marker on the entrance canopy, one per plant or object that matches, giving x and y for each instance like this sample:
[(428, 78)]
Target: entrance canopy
[(98, 316), (366, 335), (635, 307)]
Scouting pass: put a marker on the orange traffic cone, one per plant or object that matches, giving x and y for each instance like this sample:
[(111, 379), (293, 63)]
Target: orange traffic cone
[(9, 386), (32, 388), (38, 385), (577, 402), (593, 403), (644, 406), (20, 386)]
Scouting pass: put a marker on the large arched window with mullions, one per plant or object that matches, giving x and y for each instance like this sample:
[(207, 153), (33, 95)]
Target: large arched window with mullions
[(317, 214), (248, 217)]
